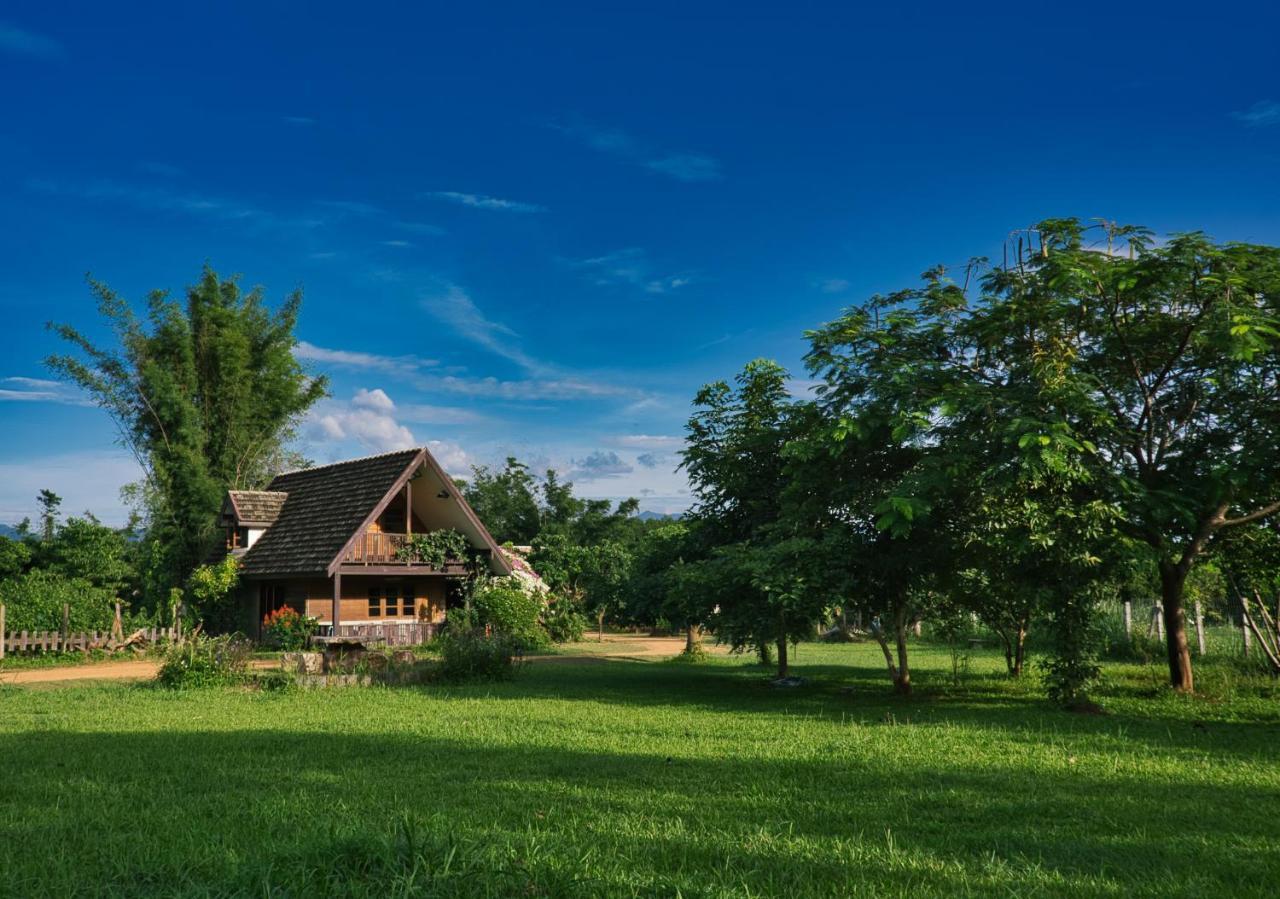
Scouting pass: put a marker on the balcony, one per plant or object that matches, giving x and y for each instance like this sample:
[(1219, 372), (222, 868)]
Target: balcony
[(382, 549)]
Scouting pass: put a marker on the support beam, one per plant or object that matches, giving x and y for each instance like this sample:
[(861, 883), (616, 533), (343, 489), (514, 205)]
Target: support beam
[(408, 507), (337, 601)]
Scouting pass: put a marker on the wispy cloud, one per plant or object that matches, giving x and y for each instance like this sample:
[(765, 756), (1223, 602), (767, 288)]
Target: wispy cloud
[(479, 201), (646, 441), (21, 42), (420, 228), (651, 460), (454, 307), (680, 165), (354, 207), (157, 199), (300, 120), (397, 243), (832, 285), (85, 479), (38, 390), (1260, 114), (358, 360), (628, 266)]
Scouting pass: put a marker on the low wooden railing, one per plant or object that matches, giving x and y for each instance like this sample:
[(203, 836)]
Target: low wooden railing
[(377, 548)]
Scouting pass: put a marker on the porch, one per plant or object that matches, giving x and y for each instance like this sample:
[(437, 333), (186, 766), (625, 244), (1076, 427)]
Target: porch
[(387, 550)]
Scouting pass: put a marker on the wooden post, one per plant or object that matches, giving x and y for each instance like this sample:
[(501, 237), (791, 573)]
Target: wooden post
[(1157, 621), (1199, 627), (337, 601), (66, 623), (4, 638), (408, 508), (1248, 636), (117, 626), (1128, 619)]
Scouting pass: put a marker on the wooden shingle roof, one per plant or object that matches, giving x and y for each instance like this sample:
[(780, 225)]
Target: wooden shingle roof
[(260, 507), (323, 508)]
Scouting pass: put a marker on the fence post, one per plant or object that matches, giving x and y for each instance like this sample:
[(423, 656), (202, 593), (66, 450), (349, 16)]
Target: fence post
[(117, 626), (1248, 636), (1158, 614), (1128, 619), (1200, 626), (4, 635), (66, 623)]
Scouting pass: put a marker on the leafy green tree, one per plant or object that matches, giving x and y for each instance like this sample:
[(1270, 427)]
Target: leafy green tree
[(15, 557), (506, 501), (593, 577), (212, 590), (668, 580), (206, 395), (34, 602), (49, 502), (87, 549)]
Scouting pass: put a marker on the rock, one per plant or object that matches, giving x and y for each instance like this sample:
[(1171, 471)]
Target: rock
[(788, 682)]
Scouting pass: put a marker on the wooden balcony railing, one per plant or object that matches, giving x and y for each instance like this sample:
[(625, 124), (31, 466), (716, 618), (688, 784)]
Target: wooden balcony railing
[(384, 549)]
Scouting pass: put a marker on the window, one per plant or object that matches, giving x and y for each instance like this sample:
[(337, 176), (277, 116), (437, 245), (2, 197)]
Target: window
[(407, 602), (375, 603)]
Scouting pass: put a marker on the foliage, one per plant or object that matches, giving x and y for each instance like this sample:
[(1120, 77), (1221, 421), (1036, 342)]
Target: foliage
[(436, 548), (471, 655), (505, 501), (504, 605), (205, 661), (205, 395), (591, 576), (288, 629), (562, 621), (15, 556), (34, 602), (212, 588)]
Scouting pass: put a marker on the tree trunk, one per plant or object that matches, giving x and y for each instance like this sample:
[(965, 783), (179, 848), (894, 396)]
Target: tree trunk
[(903, 683), (600, 625), (1173, 577), (783, 670), (691, 638), (764, 654), (1021, 654)]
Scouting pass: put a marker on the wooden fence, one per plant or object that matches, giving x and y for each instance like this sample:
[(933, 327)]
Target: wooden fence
[(21, 642)]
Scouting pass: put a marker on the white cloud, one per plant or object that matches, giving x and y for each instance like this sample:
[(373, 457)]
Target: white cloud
[(368, 419), (86, 481), (629, 266), (423, 413), (38, 390), (359, 360), (1260, 114), (27, 43), (833, 285), (452, 457), (396, 243), (479, 201), (668, 284)]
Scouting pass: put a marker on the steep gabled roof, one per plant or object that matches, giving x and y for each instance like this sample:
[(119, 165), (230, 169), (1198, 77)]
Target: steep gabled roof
[(255, 507), (325, 506)]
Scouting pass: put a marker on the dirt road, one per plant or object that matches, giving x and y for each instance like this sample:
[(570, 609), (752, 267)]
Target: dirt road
[(615, 646)]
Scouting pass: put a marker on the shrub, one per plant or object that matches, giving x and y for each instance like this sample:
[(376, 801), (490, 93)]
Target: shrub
[(205, 662), (504, 605), (34, 602), (212, 587), (563, 622), (287, 629), (471, 655)]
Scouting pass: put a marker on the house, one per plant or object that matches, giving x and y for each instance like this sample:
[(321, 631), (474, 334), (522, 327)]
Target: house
[(327, 541)]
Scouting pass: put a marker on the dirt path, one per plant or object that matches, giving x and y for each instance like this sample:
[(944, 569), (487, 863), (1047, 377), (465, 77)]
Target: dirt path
[(615, 646), (127, 669)]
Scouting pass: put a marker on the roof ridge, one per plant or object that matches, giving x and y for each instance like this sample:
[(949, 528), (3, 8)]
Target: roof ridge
[(413, 449), (259, 491)]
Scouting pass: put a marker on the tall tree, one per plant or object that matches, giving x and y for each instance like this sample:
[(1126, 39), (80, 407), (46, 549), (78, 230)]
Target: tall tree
[(506, 501), (205, 394), (49, 502)]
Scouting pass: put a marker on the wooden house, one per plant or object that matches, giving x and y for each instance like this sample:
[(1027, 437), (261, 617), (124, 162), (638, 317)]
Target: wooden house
[(327, 541)]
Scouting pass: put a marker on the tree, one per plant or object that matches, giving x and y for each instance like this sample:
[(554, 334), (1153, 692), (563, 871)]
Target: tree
[(87, 549), (593, 577), (49, 504), (1166, 375), (505, 501), (206, 395)]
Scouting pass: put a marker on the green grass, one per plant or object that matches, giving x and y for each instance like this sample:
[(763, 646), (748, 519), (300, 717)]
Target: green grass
[(624, 778)]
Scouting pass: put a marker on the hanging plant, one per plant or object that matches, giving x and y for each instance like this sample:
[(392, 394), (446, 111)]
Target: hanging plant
[(436, 549)]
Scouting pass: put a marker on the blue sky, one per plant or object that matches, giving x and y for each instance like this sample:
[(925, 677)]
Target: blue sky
[(536, 229)]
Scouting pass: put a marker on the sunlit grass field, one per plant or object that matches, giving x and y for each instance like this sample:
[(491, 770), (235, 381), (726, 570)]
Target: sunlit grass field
[(630, 778)]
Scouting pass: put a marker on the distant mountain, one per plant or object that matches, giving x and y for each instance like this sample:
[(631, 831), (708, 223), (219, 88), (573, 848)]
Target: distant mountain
[(656, 516), (8, 531)]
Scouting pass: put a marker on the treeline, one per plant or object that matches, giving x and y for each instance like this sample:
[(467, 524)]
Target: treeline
[(1095, 417), (79, 563)]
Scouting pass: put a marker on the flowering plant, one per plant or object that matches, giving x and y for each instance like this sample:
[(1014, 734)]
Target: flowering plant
[(288, 629)]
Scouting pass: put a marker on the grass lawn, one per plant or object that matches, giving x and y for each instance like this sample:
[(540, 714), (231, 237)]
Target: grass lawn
[(646, 778)]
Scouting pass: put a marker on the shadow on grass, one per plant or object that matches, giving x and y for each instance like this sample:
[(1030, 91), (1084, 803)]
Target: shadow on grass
[(282, 812)]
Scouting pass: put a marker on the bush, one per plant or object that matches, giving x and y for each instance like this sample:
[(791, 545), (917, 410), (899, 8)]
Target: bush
[(471, 655), (205, 662), (287, 629), (506, 607), (34, 602), (212, 590), (564, 623)]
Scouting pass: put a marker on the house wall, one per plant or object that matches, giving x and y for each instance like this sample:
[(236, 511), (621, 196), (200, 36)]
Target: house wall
[(314, 597)]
